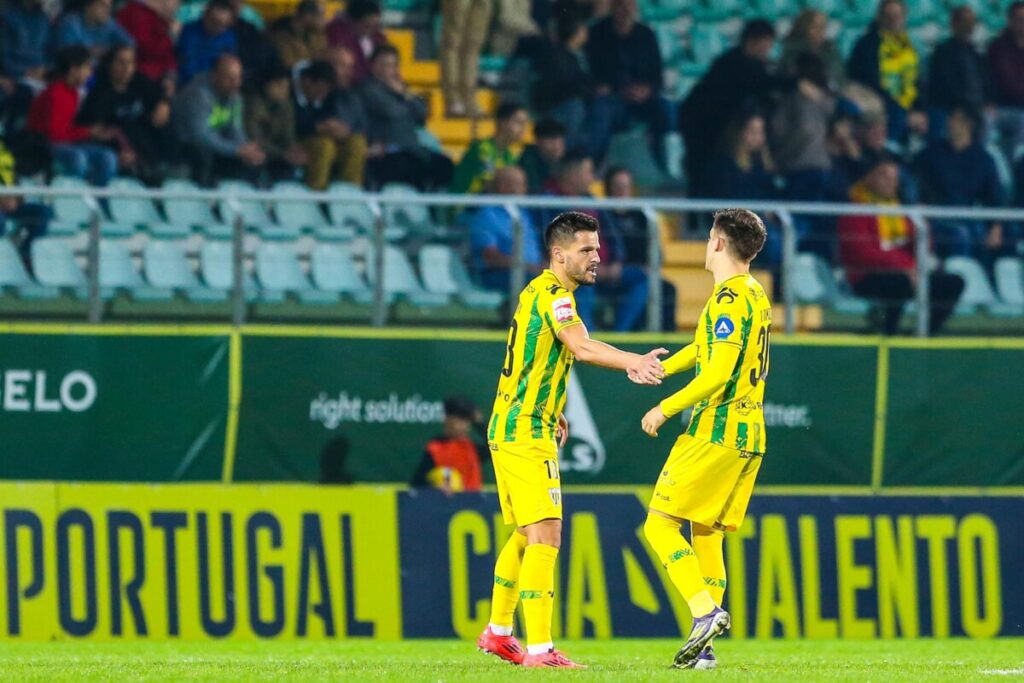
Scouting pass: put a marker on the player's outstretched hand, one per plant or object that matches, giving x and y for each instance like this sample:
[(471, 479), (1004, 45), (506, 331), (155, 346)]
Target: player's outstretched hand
[(653, 420), (647, 368), (563, 430)]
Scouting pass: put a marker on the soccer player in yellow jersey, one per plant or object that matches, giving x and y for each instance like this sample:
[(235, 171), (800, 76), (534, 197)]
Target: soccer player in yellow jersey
[(709, 475), (545, 337)]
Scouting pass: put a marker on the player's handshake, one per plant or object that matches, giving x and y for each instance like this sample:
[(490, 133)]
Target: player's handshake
[(647, 369)]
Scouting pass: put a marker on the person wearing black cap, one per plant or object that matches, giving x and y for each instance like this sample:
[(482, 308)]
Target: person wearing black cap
[(451, 462)]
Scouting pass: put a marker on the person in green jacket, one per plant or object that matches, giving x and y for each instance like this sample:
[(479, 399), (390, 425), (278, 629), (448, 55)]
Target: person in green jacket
[(484, 157)]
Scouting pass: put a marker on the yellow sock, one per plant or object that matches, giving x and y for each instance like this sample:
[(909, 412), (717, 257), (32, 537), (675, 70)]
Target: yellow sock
[(505, 594), (680, 560), (707, 543), (537, 591)]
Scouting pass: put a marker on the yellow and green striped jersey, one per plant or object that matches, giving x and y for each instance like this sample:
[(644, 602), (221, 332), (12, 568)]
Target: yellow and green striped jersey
[(739, 313), (532, 384)]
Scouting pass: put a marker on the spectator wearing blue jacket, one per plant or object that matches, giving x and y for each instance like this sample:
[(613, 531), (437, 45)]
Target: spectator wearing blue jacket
[(92, 27), (958, 171), (492, 239), (24, 40), (202, 41)]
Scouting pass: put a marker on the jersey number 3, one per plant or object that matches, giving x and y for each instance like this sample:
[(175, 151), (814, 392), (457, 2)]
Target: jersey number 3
[(510, 355), (764, 342)]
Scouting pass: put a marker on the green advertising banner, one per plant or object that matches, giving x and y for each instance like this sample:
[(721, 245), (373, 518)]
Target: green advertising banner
[(374, 403), (102, 407), (955, 417)]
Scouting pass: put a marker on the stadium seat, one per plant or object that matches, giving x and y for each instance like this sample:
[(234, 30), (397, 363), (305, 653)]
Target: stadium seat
[(706, 43), (1009, 272), (55, 266), (1003, 168), (279, 273), (400, 279), (443, 273), (254, 214), (195, 213), (348, 218), (297, 215), (14, 277), (408, 218), (117, 273), (716, 10), (332, 270), (977, 290), (142, 213), (777, 9), (71, 215), (216, 265), (815, 283), (165, 266)]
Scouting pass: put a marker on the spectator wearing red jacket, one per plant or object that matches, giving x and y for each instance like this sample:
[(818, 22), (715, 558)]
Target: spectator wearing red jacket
[(878, 253), (78, 150), (149, 22), (358, 30)]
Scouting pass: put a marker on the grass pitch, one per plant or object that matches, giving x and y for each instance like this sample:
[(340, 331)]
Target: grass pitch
[(616, 660)]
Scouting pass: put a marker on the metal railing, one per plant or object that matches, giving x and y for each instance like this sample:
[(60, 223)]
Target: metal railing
[(379, 203)]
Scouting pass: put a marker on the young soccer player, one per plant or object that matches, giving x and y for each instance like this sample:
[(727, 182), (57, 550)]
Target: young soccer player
[(710, 472), (545, 337)]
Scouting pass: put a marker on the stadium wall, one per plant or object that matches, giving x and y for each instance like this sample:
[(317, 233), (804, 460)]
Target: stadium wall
[(209, 561), (260, 404)]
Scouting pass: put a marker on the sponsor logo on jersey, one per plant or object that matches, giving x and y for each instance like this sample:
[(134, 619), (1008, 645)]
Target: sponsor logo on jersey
[(726, 295), (724, 327), (563, 309), (745, 405)]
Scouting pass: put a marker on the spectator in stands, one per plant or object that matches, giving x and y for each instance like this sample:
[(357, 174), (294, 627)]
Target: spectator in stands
[(254, 49), (24, 40), (957, 72), (451, 462), (491, 236), (513, 22), (29, 219), (203, 41), (484, 157), (270, 123), (958, 171), (301, 36), (348, 104), (465, 25), (79, 151), (336, 151), (885, 60), (395, 114), (358, 30), (632, 228), (151, 24), (878, 253), (738, 78), (809, 34), (124, 100), (1006, 61), (540, 158), (562, 86), (745, 170), (209, 123), (93, 27), (626, 66)]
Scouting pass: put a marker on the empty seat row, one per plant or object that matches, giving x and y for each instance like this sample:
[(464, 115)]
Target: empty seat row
[(166, 272)]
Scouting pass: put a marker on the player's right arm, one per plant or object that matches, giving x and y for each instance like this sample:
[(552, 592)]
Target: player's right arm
[(642, 369), (680, 361)]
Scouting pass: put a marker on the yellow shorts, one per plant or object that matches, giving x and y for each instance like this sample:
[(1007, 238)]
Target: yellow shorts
[(705, 483), (529, 488)]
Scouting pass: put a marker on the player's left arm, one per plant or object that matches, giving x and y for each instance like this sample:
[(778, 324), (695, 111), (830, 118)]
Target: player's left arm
[(712, 378)]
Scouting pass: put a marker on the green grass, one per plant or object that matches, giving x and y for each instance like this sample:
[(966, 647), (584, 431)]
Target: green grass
[(617, 660)]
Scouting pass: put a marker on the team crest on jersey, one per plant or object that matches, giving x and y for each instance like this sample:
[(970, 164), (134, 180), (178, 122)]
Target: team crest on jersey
[(563, 309), (726, 295), (556, 496), (724, 327)]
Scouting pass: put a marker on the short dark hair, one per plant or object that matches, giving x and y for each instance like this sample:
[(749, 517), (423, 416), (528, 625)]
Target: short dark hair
[(744, 230), (383, 51), (319, 71), (71, 57), (548, 128), (508, 109), (571, 160), (968, 110), (1014, 6), (360, 9), (219, 4), (307, 7), (567, 26), (756, 29), (564, 226), (612, 172)]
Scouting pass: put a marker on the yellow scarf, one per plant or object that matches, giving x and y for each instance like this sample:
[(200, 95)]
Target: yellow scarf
[(893, 231), (898, 67), (6, 166)]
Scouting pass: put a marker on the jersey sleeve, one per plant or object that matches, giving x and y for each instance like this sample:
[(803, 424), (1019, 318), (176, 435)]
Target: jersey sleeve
[(559, 307), (727, 310)]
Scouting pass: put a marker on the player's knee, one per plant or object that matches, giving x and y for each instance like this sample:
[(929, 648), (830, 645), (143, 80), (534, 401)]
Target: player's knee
[(655, 525), (546, 532)]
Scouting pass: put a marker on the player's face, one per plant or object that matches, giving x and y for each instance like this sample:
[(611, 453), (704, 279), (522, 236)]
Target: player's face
[(581, 258)]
